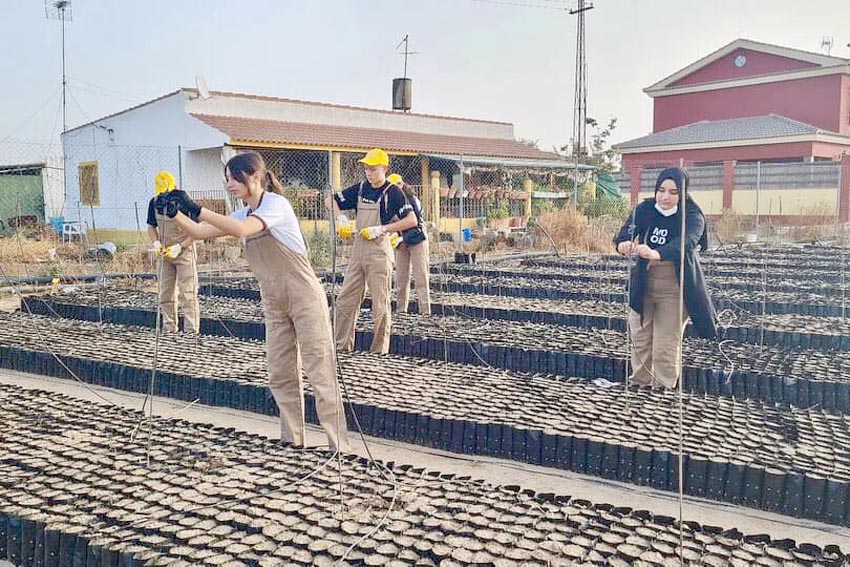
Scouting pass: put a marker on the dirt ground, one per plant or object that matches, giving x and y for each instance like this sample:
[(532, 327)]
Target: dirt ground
[(496, 471)]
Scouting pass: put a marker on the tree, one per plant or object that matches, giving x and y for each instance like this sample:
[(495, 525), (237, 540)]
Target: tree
[(601, 155)]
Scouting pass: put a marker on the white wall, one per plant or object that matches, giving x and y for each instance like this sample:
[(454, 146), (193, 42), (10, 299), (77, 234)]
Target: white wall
[(203, 170), (54, 193), (332, 115), (130, 148)]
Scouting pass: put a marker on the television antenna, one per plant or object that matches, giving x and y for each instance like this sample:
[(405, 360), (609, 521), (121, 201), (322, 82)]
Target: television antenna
[(61, 10), (406, 52), (203, 89), (826, 43)]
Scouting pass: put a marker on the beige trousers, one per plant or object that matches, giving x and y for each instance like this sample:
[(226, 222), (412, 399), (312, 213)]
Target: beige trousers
[(374, 272), (657, 339), (418, 258), (298, 334), (178, 280), (371, 265)]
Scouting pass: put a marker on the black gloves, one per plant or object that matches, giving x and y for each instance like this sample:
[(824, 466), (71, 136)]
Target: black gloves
[(169, 203)]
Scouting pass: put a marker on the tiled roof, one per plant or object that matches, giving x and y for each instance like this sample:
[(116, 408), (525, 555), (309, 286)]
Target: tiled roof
[(751, 128), (247, 130), (267, 98)]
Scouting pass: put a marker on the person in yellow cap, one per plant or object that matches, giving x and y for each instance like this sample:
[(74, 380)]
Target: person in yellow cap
[(179, 271), (381, 209), (412, 252)]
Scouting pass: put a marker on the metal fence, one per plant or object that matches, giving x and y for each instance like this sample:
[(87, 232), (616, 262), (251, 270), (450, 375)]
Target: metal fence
[(99, 191), (754, 201), (470, 204)]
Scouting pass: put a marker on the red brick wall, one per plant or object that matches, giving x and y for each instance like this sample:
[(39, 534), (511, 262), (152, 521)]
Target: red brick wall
[(816, 101)]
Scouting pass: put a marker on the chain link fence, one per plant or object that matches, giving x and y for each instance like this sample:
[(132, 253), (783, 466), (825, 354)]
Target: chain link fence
[(470, 205), (758, 201)]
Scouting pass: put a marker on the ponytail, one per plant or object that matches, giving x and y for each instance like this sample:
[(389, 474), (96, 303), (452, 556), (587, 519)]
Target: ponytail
[(272, 183), (249, 163), (407, 191)]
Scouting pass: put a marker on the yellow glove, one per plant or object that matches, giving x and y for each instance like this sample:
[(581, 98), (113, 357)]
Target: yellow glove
[(395, 240), (158, 248), (173, 251), (343, 227), (372, 232)]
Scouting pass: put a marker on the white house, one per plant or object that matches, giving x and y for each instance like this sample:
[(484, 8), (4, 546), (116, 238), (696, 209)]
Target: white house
[(111, 162)]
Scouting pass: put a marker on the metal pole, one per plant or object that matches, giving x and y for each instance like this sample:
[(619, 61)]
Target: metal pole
[(180, 166), (575, 188), (758, 193), (460, 206), (64, 120), (838, 199), (64, 78)]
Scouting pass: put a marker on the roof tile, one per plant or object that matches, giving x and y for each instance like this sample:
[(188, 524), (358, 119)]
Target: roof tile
[(751, 128), (277, 132)]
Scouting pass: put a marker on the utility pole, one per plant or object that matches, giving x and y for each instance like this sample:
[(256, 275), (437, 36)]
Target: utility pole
[(580, 108), (61, 10)]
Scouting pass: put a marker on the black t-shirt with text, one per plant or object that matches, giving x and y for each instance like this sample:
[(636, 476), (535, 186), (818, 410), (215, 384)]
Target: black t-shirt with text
[(151, 214), (661, 229), (393, 203)]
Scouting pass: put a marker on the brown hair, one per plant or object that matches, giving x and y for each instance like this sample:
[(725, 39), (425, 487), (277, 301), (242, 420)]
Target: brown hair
[(242, 165)]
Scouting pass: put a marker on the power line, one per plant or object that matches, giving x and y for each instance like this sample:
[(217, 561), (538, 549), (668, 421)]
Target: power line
[(29, 118), (103, 91), (525, 5)]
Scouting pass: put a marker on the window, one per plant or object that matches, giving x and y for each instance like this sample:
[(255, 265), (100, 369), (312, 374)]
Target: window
[(89, 185)]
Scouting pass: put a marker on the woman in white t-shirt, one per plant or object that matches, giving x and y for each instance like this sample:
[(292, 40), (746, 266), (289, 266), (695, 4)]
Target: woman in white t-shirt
[(294, 302)]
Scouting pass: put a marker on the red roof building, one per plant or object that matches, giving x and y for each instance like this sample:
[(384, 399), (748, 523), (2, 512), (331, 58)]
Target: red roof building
[(750, 102)]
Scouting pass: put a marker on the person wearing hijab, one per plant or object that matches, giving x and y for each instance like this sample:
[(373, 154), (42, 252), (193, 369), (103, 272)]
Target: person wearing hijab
[(653, 233)]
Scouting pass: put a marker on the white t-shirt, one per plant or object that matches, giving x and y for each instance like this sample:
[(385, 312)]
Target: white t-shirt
[(276, 211)]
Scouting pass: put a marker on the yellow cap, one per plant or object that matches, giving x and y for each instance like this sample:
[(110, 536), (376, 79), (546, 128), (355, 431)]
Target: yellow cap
[(395, 179), (163, 182), (376, 156)]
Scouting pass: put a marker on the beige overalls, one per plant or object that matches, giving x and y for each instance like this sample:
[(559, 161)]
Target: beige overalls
[(297, 329), (182, 271), (417, 257), (371, 265), (657, 339)]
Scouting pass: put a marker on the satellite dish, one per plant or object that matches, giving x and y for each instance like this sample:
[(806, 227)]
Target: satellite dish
[(203, 89)]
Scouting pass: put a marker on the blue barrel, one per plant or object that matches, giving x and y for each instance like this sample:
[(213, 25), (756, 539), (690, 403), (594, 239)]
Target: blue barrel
[(467, 234)]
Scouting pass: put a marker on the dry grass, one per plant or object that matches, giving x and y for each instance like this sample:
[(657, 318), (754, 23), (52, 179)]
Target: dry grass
[(732, 227), (572, 231), (23, 256), (814, 222)]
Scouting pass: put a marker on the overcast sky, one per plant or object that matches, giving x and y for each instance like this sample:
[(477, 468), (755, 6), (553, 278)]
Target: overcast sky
[(481, 59)]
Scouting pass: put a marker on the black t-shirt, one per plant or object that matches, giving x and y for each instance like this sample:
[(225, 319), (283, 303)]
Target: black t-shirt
[(393, 203), (660, 229), (664, 233), (151, 214)]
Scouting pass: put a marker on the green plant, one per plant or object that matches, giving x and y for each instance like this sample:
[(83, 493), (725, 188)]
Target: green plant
[(541, 206), (501, 209), (617, 208), (319, 249)]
